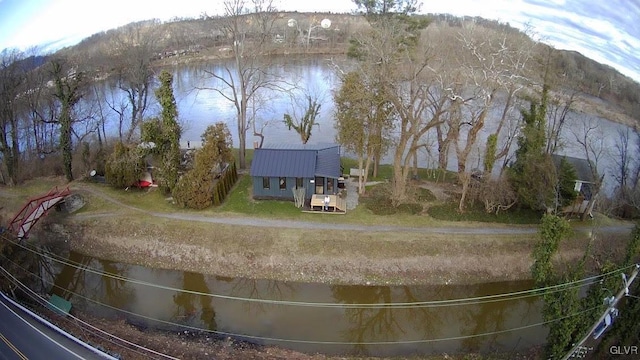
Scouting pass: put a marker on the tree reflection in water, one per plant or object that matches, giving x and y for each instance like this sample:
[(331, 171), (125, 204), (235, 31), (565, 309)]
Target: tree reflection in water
[(114, 284), (261, 289), (186, 302), (382, 324), (489, 317), (70, 279)]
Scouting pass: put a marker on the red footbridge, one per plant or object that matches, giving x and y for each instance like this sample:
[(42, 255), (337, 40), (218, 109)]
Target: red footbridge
[(34, 209)]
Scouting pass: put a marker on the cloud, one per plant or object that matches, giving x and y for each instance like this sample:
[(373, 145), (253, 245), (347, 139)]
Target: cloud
[(607, 32)]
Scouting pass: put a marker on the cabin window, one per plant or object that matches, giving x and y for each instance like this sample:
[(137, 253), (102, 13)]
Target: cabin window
[(265, 183), (319, 181), (329, 186), (299, 183), (283, 183)]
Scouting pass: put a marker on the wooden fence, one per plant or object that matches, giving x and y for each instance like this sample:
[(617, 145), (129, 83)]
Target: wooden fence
[(225, 182)]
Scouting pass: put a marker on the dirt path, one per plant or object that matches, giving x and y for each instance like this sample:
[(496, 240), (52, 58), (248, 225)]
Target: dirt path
[(483, 229)]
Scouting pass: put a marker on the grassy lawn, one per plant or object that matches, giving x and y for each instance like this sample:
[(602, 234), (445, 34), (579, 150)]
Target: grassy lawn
[(374, 209), (240, 201)]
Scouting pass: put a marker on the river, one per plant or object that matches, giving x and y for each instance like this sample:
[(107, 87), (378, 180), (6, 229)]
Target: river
[(200, 106), (311, 318)]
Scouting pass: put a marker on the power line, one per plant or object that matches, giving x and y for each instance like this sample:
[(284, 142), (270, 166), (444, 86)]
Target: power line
[(42, 301), (609, 310), (435, 303), (318, 342)]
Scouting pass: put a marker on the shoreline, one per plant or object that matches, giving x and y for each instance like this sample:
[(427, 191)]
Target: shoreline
[(342, 258)]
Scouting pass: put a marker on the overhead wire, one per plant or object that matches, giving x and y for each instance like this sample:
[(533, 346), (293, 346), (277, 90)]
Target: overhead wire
[(516, 295), (321, 342), (43, 302)]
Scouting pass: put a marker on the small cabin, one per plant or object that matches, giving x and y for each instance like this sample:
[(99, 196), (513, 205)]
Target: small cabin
[(278, 169), (585, 184)]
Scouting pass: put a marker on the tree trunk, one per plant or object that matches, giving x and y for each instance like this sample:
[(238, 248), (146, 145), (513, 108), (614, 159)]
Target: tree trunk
[(398, 185), (360, 176), (365, 177), (65, 144), (465, 179), (443, 149), (15, 153), (242, 131), (376, 164), (414, 169)]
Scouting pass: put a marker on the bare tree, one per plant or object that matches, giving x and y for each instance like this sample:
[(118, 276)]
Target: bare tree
[(249, 27), (557, 111), (259, 105), (11, 80), (623, 161), (136, 49), (482, 57), (68, 91), (516, 54), (392, 55), (590, 140), (305, 108)]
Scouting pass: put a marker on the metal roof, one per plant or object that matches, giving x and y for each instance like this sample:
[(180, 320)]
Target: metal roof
[(285, 163), (313, 147), (583, 170), (296, 160), (328, 163)]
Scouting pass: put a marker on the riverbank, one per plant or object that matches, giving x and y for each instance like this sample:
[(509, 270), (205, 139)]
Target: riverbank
[(320, 252), (414, 251)]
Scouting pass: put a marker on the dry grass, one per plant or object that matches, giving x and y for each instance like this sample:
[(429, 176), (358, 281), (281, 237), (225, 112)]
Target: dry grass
[(331, 256), (110, 227)]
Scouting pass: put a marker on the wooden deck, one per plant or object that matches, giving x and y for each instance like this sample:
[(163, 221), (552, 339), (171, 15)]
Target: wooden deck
[(336, 204)]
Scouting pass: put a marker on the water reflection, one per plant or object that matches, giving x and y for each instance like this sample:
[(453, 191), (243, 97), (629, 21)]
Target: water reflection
[(491, 317), (254, 310), (186, 302), (261, 289), (70, 278), (368, 324)]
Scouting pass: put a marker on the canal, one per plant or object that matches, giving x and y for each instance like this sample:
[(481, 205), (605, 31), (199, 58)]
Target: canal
[(312, 318)]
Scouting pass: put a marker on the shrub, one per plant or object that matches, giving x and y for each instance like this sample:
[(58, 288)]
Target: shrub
[(194, 190), (410, 208), (124, 167)]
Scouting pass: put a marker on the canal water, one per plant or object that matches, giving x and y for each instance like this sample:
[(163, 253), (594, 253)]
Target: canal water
[(312, 318)]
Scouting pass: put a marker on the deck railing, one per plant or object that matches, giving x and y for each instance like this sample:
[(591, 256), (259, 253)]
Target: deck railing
[(335, 202)]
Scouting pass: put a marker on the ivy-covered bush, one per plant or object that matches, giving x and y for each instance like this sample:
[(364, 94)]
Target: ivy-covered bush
[(125, 166)]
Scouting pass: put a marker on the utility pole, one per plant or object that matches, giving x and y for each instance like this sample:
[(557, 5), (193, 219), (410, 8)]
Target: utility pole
[(623, 292)]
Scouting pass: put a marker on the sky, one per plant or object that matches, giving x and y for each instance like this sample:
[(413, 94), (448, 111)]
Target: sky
[(607, 31)]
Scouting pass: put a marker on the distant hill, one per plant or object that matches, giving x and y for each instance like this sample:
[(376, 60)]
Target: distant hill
[(200, 37)]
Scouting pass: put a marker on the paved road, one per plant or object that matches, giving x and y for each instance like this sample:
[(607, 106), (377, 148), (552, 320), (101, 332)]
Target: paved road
[(484, 229), (24, 337)]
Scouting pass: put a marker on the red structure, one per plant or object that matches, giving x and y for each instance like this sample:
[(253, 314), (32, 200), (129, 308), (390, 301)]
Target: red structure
[(34, 209)]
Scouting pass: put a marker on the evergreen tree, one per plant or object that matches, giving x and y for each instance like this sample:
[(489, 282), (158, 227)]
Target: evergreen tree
[(195, 189), (532, 175), (567, 176), (165, 134), (564, 330)]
